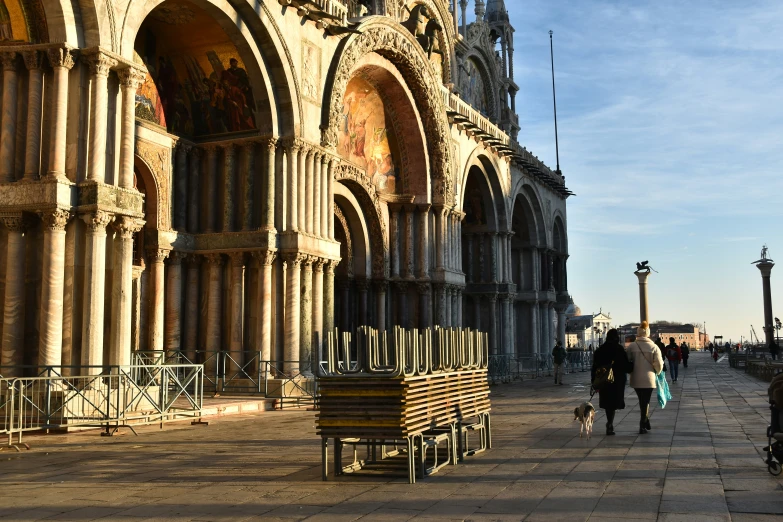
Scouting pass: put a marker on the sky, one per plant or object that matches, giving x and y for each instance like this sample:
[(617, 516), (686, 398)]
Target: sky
[(670, 119)]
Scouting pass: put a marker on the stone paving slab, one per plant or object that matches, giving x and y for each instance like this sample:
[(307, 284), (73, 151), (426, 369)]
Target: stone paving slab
[(701, 461)]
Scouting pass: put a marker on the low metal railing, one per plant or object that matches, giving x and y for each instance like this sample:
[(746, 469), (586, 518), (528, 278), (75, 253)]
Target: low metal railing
[(504, 368), (124, 396)]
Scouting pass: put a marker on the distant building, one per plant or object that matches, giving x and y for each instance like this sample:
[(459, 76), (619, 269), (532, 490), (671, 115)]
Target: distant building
[(682, 333), (585, 330)]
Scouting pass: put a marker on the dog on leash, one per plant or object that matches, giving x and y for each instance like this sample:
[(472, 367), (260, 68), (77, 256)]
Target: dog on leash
[(585, 414)]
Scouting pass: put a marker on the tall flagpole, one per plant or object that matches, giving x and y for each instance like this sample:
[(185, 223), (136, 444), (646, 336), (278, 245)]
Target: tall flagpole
[(554, 99)]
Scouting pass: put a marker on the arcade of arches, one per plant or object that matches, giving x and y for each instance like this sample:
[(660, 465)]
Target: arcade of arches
[(279, 175)]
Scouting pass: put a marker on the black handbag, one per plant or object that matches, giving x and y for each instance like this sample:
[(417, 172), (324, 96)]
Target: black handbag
[(603, 375)]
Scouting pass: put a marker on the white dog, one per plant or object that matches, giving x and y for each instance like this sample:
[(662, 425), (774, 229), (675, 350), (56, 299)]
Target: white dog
[(585, 414)]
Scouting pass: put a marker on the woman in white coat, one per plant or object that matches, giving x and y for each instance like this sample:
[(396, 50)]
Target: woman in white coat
[(647, 363)]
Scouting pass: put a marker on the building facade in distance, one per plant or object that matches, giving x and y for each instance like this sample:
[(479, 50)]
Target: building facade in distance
[(203, 176)]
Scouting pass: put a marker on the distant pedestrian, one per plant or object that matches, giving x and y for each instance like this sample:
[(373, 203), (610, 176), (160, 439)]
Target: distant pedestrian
[(774, 350), (559, 355), (686, 352), (715, 355), (647, 363), (674, 357), (611, 397)]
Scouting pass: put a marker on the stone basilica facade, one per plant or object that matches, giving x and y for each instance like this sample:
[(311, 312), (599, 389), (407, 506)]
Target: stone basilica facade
[(246, 175)]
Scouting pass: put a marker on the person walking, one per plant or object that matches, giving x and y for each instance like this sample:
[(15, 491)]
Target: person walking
[(685, 352), (774, 350), (559, 355), (611, 396), (715, 355), (674, 356), (647, 363)]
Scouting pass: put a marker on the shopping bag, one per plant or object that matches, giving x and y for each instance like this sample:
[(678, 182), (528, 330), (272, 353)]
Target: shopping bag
[(663, 390)]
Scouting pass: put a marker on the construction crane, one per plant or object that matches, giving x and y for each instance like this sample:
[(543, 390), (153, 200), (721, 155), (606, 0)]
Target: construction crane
[(753, 333)]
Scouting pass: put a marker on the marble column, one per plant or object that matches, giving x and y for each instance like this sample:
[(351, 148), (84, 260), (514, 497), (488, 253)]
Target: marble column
[(535, 281), (363, 286), (447, 298), (190, 339), (194, 203), (330, 199), (214, 312), (440, 240), (501, 257), (324, 204), (173, 327), (301, 203), (157, 292), (380, 303), (12, 349), (329, 296), (493, 325), (268, 219), (180, 199), (460, 303), (312, 160), (482, 257), (266, 259), (292, 312), (551, 325), (561, 325), (53, 272), (402, 304), (455, 307), (94, 297), (131, 79), (237, 310), (10, 107), (534, 328), (477, 312), (32, 156), (293, 184), (508, 347), (316, 183), (209, 191), (306, 325), (345, 304), (100, 66), (122, 290), (469, 268), (394, 237), (61, 60), (229, 188), (493, 252), (425, 308), (424, 241), (247, 174), (410, 265), (318, 314)]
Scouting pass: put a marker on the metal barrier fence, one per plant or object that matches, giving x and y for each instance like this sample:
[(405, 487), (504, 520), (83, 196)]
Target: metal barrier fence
[(245, 373), (125, 396), (505, 368)]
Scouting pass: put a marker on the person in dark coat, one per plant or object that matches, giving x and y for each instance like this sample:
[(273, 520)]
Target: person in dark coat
[(612, 396), (686, 352)]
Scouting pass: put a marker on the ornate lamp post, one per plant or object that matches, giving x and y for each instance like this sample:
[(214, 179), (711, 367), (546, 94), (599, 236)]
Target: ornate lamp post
[(765, 265)]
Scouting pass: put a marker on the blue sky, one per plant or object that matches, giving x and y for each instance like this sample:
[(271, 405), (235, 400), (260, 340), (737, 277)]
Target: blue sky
[(671, 135)]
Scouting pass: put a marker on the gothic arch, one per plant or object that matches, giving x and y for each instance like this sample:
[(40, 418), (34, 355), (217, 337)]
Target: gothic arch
[(150, 162), (268, 61), (362, 189), (559, 234), (395, 43), (349, 211), (489, 77), (481, 163)]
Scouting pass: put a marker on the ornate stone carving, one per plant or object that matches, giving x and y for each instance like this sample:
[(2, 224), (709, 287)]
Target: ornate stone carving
[(158, 159), (425, 27), (423, 288), (157, 255), (97, 221), (214, 259), (338, 213), (16, 222), (32, 59), (264, 257), (126, 226), (401, 49), (294, 259), (193, 260), (60, 57), (330, 267), (55, 220), (270, 143), (176, 258), (362, 285), (100, 64), (131, 77), (8, 60), (319, 263), (380, 285)]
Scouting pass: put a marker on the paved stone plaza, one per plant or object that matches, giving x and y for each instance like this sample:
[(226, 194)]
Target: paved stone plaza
[(700, 462)]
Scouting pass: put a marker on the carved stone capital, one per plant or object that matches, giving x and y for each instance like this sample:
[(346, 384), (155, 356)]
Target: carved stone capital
[(100, 64), (362, 285), (270, 143), (423, 288), (126, 226), (32, 60), (294, 259), (192, 260), (237, 259), (15, 222), (318, 264), (230, 151), (196, 152), (331, 266), (97, 221), (61, 57), (131, 77), (380, 285), (8, 60), (176, 258), (307, 263), (55, 220), (157, 255), (264, 257), (214, 259)]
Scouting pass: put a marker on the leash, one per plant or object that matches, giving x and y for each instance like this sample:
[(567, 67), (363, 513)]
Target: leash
[(592, 392)]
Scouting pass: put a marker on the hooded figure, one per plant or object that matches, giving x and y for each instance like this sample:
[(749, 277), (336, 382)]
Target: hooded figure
[(612, 396), (647, 363)]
